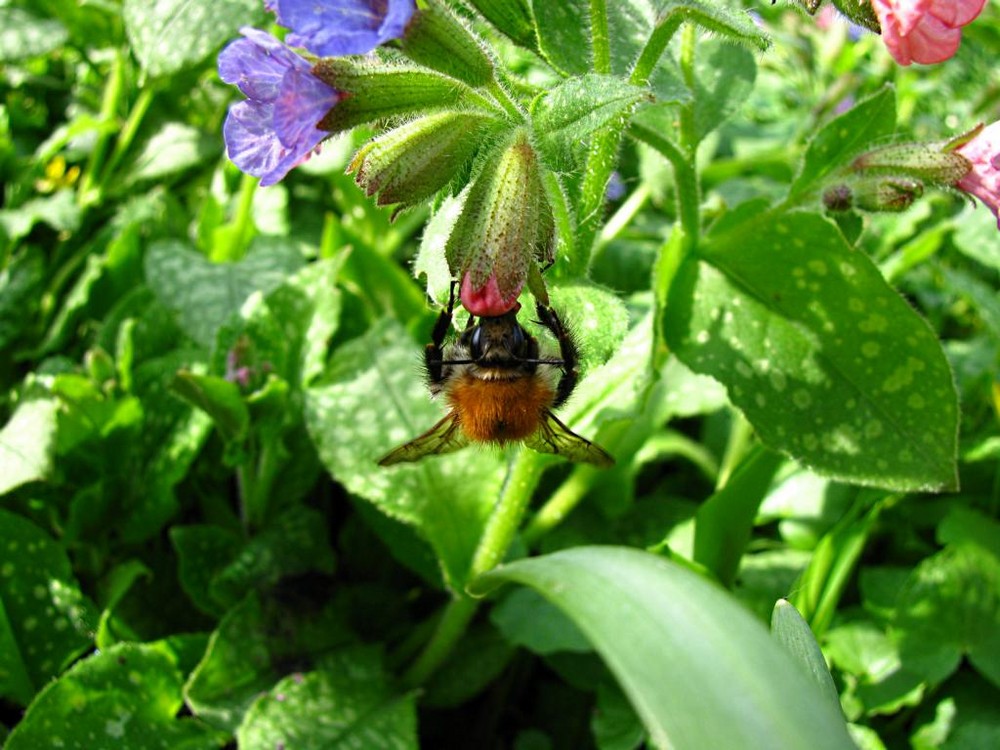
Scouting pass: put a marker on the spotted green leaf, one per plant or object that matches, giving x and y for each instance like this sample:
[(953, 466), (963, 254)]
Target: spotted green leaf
[(375, 399), (345, 703), (699, 670), (168, 36), (827, 362), (255, 644), (868, 123), (205, 295), (125, 697), (26, 444), (45, 621)]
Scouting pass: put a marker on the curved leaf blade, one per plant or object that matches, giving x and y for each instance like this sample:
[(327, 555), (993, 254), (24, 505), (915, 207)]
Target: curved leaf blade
[(698, 668)]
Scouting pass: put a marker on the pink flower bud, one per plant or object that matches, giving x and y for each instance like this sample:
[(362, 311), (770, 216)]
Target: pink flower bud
[(924, 31), (487, 302), (983, 180)]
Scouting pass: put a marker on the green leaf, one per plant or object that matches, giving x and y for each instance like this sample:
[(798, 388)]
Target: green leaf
[(526, 619), (176, 147), (168, 36), (45, 621), (205, 295), (293, 543), (21, 283), (724, 522), (345, 704), (27, 442), (479, 659), (699, 670), (564, 117), (614, 723), (219, 398), (794, 634), (125, 697), (23, 35), (203, 551), (374, 399), (564, 34), (250, 651), (870, 122), (950, 607), (826, 361), (510, 17), (59, 211)]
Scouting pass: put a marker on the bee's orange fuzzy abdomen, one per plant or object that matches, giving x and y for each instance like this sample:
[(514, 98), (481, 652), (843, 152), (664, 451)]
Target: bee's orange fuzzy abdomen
[(499, 411)]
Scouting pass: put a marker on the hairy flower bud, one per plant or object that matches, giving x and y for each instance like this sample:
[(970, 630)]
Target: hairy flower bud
[(919, 161), (879, 194), (505, 225), (414, 161), (435, 37)]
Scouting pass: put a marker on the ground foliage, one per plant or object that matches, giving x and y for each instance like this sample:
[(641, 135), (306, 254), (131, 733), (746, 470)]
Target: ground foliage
[(197, 547)]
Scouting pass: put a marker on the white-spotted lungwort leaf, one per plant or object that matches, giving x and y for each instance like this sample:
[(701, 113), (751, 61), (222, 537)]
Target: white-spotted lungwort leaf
[(125, 697), (827, 362), (168, 36), (373, 400), (345, 703), (45, 620)]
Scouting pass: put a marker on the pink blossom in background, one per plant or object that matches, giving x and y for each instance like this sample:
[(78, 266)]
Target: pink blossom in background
[(924, 31), (983, 181)]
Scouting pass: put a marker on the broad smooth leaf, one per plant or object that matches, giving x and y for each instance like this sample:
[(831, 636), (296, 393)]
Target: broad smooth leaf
[(794, 634), (700, 671), (168, 36), (45, 621), (344, 704), (374, 400), (125, 697), (868, 123), (827, 362), (724, 522)]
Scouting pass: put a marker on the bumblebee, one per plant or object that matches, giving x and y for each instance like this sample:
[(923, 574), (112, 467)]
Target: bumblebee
[(500, 389)]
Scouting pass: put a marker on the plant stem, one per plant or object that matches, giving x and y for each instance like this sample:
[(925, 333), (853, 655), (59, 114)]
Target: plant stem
[(600, 43), (523, 476), (504, 99), (128, 133), (452, 626), (113, 92), (525, 471), (736, 448), (561, 504)]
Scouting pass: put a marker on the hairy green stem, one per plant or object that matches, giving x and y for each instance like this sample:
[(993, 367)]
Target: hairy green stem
[(522, 478), (501, 529), (599, 41), (561, 503)]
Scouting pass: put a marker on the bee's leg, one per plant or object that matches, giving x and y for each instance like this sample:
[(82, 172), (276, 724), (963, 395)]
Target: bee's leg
[(567, 352), (434, 353)]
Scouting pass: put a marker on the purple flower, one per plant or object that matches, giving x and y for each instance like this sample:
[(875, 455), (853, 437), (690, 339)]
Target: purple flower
[(275, 129), (342, 27)]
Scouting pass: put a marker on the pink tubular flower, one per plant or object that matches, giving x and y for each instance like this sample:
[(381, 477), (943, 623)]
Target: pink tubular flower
[(487, 301), (924, 31), (983, 180)]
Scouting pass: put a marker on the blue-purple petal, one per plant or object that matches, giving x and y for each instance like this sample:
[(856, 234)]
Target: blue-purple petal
[(276, 128), (343, 27)]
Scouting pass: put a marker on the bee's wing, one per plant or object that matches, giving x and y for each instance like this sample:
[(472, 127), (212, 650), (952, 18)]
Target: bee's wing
[(444, 437), (553, 436)]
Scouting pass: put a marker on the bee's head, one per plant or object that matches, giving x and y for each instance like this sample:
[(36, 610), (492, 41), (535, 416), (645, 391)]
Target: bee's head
[(498, 341)]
